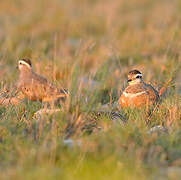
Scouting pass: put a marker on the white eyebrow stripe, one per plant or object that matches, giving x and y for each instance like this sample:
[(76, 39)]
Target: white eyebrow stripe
[(140, 75), (131, 95), (25, 63)]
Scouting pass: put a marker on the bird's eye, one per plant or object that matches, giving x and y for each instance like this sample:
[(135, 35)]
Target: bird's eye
[(20, 63), (138, 76)]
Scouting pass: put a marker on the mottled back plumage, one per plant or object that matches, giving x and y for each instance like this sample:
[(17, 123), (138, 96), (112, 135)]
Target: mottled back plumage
[(37, 87)]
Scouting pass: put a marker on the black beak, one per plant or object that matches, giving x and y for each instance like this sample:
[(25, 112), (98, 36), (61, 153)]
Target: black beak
[(129, 80), (16, 67)]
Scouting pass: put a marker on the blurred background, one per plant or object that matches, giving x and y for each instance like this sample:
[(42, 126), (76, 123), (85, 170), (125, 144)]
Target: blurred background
[(95, 34), (89, 46)]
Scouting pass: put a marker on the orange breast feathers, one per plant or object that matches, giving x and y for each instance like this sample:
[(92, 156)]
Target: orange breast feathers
[(133, 99), (139, 99)]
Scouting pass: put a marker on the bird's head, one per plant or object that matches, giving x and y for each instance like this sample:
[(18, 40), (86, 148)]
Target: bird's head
[(24, 64), (134, 77)]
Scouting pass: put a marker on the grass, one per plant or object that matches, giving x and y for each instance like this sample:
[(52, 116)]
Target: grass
[(71, 42)]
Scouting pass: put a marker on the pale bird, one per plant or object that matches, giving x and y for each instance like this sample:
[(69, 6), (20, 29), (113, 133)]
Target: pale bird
[(138, 93), (36, 87)]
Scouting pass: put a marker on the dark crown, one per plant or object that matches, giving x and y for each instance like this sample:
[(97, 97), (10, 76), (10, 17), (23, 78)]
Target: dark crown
[(27, 61), (134, 72)]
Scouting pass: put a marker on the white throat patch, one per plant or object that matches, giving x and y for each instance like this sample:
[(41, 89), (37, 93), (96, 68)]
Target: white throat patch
[(135, 81)]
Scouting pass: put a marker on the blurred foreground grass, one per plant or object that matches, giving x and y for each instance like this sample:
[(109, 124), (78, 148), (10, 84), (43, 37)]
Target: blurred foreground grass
[(71, 42)]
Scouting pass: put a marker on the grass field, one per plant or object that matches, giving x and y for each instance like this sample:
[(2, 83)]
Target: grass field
[(73, 43)]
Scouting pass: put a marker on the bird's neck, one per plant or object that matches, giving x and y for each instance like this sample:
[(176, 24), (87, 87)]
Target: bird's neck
[(25, 72), (136, 81)]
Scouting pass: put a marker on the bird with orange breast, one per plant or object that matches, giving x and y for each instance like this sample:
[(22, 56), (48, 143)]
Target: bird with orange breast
[(138, 94)]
